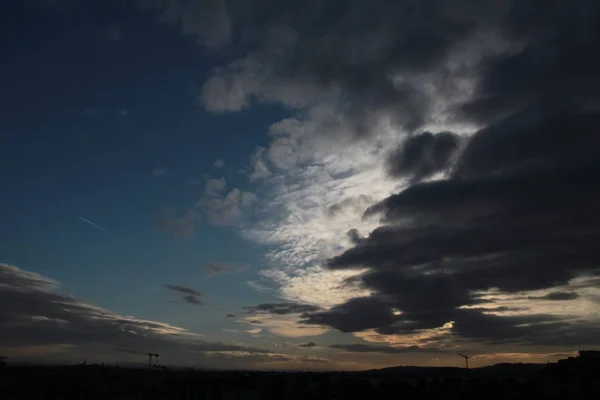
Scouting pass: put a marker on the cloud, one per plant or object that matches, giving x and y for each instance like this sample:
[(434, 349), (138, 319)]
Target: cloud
[(282, 319), (286, 325), (556, 296), (184, 290), (273, 358), (491, 226), (555, 61), (189, 295), (41, 315), (372, 60), (213, 187), (212, 269), (422, 155), (280, 308), (295, 223), (222, 209), (369, 348), (259, 287), (192, 299), (216, 206), (388, 87), (258, 167), (43, 319), (355, 315), (358, 83), (219, 163), (354, 205), (228, 209), (308, 345)]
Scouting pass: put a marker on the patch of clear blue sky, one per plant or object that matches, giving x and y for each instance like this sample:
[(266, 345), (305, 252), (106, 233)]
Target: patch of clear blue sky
[(66, 151)]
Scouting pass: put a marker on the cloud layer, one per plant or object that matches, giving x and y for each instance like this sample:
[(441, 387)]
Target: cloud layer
[(437, 181), (36, 318), (519, 224), (484, 112)]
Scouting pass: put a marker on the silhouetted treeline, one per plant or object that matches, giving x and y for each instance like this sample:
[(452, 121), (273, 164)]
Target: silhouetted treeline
[(571, 379)]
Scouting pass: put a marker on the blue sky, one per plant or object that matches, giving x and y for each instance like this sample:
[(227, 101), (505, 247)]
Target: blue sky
[(273, 184), (111, 130)]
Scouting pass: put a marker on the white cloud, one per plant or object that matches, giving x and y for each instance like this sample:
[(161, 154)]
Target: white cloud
[(216, 206), (282, 325), (311, 176), (258, 166), (214, 186), (219, 163), (259, 287), (225, 210)]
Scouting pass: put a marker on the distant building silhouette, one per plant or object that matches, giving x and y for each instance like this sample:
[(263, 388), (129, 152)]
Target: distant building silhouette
[(589, 354)]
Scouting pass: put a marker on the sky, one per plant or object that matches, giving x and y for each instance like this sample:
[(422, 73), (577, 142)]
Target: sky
[(261, 184)]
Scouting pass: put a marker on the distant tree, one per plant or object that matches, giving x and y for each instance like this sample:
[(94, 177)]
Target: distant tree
[(3, 360)]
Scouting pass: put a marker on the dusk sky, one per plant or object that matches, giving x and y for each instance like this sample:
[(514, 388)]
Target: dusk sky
[(278, 184)]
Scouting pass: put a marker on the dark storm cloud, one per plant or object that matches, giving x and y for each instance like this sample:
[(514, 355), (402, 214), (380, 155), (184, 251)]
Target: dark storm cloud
[(354, 236), (355, 315), (309, 51), (558, 59), (537, 138), (280, 308), (422, 155), (512, 218), (189, 295)]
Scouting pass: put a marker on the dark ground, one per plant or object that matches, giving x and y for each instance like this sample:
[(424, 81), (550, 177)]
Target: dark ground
[(570, 379)]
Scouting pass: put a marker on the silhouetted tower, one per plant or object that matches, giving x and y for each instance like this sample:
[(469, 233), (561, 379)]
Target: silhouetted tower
[(150, 355), (466, 360)]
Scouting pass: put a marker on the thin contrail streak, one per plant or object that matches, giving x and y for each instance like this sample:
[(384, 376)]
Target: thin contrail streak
[(93, 224)]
